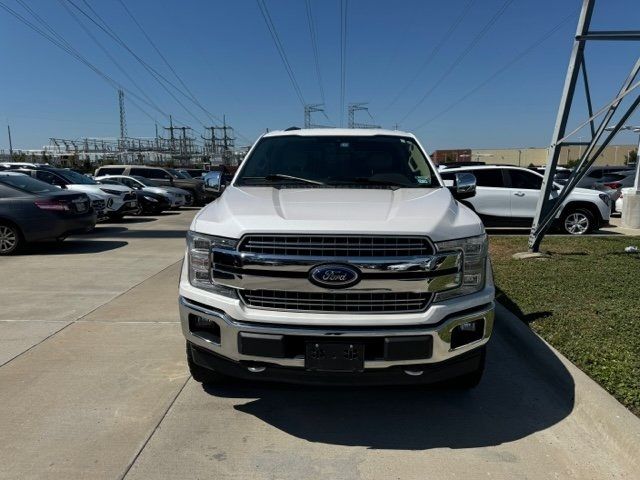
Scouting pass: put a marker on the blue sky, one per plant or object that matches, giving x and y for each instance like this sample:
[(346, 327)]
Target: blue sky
[(225, 55)]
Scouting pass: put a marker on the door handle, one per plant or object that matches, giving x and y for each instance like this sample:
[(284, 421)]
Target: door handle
[(519, 194)]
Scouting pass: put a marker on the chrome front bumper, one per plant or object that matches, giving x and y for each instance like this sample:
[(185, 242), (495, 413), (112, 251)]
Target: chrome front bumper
[(230, 328)]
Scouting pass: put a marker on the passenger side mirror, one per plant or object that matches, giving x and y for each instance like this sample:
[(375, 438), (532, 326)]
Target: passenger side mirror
[(464, 186), (213, 182)]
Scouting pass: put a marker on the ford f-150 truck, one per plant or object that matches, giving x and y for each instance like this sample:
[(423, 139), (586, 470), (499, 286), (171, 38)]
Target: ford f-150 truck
[(337, 256)]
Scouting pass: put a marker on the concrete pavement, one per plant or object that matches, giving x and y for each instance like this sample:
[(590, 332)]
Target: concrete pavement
[(93, 384)]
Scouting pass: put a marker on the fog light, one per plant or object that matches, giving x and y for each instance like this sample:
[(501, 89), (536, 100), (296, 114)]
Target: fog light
[(204, 327), (466, 333)]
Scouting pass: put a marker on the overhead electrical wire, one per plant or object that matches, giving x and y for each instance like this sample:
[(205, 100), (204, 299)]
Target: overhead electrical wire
[(212, 117), (59, 41), (314, 46), (152, 71), (108, 54), (344, 5), (485, 29), (434, 52), (264, 10), (501, 70)]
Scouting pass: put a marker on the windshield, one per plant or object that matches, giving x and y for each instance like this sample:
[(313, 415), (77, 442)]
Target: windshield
[(183, 174), (338, 161), (76, 178), (27, 184), (176, 173), (145, 181)]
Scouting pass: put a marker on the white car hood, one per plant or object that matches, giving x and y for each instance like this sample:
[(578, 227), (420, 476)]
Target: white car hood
[(411, 211)]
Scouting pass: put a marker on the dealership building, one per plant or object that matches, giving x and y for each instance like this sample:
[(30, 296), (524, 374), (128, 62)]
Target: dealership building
[(537, 156)]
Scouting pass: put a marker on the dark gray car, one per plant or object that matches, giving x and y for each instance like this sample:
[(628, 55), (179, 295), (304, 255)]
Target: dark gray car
[(33, 211)]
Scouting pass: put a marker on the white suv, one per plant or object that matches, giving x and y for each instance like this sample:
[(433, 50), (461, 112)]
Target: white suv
[(507, 197)]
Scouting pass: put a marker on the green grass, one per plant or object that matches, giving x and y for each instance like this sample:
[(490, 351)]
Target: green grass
[(585, 301)]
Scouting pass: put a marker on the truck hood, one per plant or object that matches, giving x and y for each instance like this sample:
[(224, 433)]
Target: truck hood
[(410, 211)]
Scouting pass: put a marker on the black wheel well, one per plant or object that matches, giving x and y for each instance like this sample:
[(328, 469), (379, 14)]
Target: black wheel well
[(11, 223), (578, 205)]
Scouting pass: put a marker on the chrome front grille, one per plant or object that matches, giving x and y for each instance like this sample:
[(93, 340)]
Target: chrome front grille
[(354, 302), (337, 245)]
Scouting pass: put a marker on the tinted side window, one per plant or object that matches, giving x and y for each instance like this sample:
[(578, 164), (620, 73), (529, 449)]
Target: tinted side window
[(149, 173), (110, 171), (49, 178), (524, 179), (7, 192)]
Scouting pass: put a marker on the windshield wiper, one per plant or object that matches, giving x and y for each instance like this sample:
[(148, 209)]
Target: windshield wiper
[(282, 176)]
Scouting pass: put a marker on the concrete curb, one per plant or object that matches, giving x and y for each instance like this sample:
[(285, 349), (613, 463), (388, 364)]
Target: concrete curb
[(594, 406)]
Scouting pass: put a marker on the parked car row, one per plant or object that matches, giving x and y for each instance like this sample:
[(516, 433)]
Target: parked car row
[(39, 202), (507, 197)]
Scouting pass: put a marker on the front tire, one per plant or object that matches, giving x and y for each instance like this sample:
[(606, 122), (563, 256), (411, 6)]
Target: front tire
[(201, 374), (577, 221), (10, 239)]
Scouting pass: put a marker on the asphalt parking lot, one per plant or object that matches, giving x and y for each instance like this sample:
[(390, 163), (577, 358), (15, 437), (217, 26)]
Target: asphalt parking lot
[(94, 384)]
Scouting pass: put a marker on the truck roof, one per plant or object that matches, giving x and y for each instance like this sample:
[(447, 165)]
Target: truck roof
[(342, 132)]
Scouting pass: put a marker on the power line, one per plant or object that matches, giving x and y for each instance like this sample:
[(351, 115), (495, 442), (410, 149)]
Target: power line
[(108, 54), (344, 5), (460, 57), (280, 48), (152, 71), (314, 46), (501, 70), (434, 52), (61, 43), (164, 59)]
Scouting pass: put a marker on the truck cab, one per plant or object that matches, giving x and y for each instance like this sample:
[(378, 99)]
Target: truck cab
[(337, 256)]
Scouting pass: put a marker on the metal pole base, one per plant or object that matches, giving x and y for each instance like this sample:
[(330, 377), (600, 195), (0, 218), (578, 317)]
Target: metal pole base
[(631, 210)]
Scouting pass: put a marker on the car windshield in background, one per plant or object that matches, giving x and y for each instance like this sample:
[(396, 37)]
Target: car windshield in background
[(27, 184), (145, 181), (177, 174), (185, 175), (76, 178), (391, 161)]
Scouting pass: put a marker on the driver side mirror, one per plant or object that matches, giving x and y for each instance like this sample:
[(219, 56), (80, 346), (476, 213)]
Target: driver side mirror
[(213, 182), (464, 186)]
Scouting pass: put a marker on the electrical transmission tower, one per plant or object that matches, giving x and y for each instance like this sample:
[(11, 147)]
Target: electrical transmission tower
[(548, 207), (221, 143), (313, 108), (123, 118), (359, 107)]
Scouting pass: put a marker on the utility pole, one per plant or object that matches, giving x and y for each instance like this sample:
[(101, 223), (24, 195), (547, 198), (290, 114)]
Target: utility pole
[(10, 144), (222, 141), (123, 119), (359, 107)]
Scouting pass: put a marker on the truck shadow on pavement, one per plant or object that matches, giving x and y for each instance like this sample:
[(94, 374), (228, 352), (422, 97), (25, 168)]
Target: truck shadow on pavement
[(72, 247), (525, 389)]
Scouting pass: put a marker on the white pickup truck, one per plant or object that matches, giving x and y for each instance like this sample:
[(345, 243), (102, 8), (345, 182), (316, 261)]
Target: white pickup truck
[(337, 256)]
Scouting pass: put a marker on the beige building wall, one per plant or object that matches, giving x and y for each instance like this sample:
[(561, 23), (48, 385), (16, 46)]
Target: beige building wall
[(612, 155)]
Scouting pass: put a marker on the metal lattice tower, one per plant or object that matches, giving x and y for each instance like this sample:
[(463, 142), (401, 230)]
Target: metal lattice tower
[(358, 107), (123, 119), (549, 207), (308, 110)]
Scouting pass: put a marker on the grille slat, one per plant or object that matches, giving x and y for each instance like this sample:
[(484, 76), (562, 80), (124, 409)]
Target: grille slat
[(336, 302), (336, 245)]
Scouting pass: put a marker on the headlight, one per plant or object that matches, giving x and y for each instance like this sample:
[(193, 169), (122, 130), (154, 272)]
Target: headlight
[(201, 261), (151, 199), (605, 198), (474, 258), (111, 192)]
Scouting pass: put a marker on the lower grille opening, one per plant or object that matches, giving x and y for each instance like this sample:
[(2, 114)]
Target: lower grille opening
[(353, 302)]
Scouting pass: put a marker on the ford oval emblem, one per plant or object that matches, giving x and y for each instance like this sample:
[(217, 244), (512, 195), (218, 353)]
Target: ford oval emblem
[(334, 276)]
